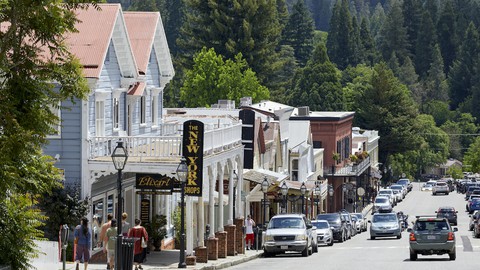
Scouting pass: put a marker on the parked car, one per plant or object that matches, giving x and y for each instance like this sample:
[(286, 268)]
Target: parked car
[(427, 187), (449, 213), (381, 204), (339, 225), (430, 236), (470, 190), (473, 219), (440, 187), (401, 188), (405, 182), (324, 232), (289, 232), (362, 220), (473, 205), (385, 225), (398, 195), (388, 193)]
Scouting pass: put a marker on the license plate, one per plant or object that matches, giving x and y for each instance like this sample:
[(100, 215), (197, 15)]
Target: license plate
[(283, 247), (431, 237)]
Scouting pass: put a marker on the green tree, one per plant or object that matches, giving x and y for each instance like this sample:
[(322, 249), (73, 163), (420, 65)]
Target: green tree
[(29, 92), (453, 130), (212, 79), (340, 39), (368, 52), (283, 78), (439, 110), (172, 17), (393, 35), (299, 32), (446, 32), (472, 157), (386, 106), (143, 5), (318, 84), (407, 75), (435, 83), (412, 14), (425, 44), (355, 80), (377, 21)]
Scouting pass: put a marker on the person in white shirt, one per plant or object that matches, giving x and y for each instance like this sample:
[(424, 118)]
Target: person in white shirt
[(249, 224)]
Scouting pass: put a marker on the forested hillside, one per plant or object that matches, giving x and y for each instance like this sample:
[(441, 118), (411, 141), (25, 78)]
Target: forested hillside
[(406, 67)]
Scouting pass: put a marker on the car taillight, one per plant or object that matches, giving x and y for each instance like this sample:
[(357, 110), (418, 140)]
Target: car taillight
[(451, 236), (412, 237)]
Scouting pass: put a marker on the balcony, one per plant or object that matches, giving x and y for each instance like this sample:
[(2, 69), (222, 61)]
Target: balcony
[(217, 138), (348, 170)]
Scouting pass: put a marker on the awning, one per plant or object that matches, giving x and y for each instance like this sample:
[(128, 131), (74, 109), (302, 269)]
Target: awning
[(137, 89), (376, 173), (258, 175)]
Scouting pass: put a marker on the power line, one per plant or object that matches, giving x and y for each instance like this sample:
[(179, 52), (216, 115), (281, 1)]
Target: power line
[(451, 134)]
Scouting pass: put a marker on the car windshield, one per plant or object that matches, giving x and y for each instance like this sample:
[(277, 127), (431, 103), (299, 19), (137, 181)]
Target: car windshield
[(403, 182), (286, 222), (320, 224), (431, 225), (359, 215), (381, 200), (331, 218), (396, 187), (384, 218)]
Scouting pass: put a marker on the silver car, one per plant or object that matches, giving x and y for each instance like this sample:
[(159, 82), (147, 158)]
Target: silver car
[(324, 232), (381, 204), (385, 225)]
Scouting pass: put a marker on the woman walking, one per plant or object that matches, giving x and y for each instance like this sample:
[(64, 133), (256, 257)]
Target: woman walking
[(140, 233), (83, 238)]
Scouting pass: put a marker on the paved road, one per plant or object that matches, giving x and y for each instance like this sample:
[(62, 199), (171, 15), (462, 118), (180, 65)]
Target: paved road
[(388, 253)]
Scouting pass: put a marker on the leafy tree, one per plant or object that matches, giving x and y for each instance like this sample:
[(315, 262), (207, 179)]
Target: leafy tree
[(386, 106), (460, 77), (28, 94), (407, 75), (393, 35), (321, 12), (355, 80), (435, 84), (299, 32), (425, 44), (446, 31), (434, 146), (283, 78), (368, 52), (412, 14), (340, 39), (472, 157), (212, 79), (377, 21), (318, 84), (453, 130), (439, 110)]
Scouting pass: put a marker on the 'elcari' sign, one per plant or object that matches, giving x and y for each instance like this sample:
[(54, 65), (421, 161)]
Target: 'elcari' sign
[(193, 153)]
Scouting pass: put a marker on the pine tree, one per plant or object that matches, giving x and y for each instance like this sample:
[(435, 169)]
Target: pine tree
[(172, 17), (318, 84), (340, 41), (393, 37), (299, 32), (368, 50), (432, 7), (143, 5), (412, 15), (460, 77), (321, 14), (408, 76), (436, 82), (281, 86), (447, 37), (377, 21), (425, 44)]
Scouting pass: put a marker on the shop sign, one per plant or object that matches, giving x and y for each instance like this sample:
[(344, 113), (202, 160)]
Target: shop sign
[(193, 132), (155, 182), (145, 211)]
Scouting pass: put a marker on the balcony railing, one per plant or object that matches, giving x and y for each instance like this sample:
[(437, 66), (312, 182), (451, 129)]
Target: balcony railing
[(215, 140), (348, 170)]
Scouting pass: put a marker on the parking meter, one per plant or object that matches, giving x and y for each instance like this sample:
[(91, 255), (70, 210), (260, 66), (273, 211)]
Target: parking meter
[(64, 233), (207, 231)]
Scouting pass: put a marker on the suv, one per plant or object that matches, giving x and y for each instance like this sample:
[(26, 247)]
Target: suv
[(432, 235), (289, 232), (449, 213), (406, 183), (339, 225), (441, 187)]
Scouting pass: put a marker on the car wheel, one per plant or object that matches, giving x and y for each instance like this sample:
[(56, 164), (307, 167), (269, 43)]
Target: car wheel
[(341, 239), (399, 236), (413, 256), (372, 237), (305, 252), (447, 193), (331, 243), (452, 255), (315, 248), (470, 228), (266, 254)]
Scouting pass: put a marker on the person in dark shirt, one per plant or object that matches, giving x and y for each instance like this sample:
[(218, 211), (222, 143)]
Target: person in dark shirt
[(83, 238)]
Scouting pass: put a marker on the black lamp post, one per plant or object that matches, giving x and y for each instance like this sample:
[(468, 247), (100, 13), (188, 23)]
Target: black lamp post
[(303, 190), (119, 158), (330, 193), (316, 192), (182, 171), (344, 189), (284, 189), (265, 190)]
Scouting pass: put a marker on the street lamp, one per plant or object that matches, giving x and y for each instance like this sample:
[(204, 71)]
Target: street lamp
[(303, 190), (316, 192), (264, 190), (330, 193), (344, 189), (284, 189), (119, 158), (182, 171)]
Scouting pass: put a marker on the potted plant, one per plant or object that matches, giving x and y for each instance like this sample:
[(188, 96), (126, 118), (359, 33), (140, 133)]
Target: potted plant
[(353, 158), (156, 230), (336, 156)]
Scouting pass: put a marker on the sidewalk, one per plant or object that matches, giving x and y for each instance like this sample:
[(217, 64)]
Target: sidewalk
[(168, 259)]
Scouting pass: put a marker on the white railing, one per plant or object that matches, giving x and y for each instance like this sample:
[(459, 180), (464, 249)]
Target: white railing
[(215, 140)]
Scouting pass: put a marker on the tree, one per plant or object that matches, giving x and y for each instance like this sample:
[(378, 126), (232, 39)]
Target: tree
[(407, 75), (447, 38), (439, 110), (172, 12), (318, 84), (393, 35), (31, 85), (425, 44), (453, 130), (377, 21), (340, 45), (212, 79), (368, 52), (412, 14), (386, 106), (143, 5), (298, 33), (435, 83), (472, 157), (282, 81)]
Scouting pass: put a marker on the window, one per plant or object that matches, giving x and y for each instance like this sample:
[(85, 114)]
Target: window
[(143, 110), (116, 112), (154, 110), (317, 144), (99, 118)]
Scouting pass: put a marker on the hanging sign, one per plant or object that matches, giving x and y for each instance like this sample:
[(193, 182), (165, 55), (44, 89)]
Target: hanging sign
[(155, 182), (193, 153)]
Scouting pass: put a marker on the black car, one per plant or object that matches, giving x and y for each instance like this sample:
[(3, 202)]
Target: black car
[(449, 213), (340, 231)]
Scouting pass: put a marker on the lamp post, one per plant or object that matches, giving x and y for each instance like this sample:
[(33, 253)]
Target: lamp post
[(344, 189), (303, 190), (316, 192), (264, 190), (182, 171), (119, 158), (330, 193), (284, 189)]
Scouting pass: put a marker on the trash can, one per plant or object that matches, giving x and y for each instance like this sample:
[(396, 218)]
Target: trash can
[(128, 245)]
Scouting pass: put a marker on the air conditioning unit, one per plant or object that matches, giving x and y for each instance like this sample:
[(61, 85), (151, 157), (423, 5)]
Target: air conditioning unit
[(304, 111), (246, 101)]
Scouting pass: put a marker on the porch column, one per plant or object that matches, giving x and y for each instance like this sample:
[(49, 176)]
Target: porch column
[(220, 175), (201, 212), (230, 192), (211, 200), (239, 206)]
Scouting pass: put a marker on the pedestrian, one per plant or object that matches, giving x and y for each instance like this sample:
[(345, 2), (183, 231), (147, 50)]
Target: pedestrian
[(110, 242), (83, 238), (249, 224), (125, 225), (103, 231), (95, 231), (139, 232)]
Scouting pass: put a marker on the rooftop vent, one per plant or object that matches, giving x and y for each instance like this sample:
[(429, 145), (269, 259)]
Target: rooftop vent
[(304, 111)]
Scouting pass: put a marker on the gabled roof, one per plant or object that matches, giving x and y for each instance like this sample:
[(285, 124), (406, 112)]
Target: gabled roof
[(96, 29), (141, 28)]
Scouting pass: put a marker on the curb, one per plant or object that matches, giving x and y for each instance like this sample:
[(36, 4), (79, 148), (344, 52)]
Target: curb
[(231, 263)]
